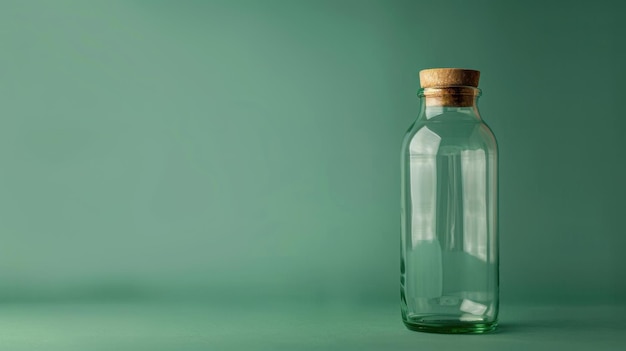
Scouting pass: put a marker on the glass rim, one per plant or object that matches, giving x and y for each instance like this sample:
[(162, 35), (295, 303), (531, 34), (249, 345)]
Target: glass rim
[(450, 90)]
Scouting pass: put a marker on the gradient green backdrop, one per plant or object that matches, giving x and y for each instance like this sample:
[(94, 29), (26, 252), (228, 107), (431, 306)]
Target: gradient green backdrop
[(249, 150)]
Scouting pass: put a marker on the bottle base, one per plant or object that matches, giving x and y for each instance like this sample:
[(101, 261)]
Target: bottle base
[(445, 325)]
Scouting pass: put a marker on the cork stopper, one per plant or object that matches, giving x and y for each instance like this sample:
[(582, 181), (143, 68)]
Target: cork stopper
[(453, 87), (445, 77)]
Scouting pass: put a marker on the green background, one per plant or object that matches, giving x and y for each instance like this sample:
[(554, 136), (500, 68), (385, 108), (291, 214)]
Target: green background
[(247, 152)]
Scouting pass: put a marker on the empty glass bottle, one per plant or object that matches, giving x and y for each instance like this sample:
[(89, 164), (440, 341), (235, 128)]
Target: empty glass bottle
[(449, 263)]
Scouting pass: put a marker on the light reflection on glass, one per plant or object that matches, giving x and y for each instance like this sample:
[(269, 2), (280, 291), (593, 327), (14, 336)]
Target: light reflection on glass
[(423, 164), (474, 174), (473, 307)]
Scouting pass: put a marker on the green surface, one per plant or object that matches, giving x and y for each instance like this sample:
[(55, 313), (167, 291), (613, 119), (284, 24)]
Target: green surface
[(202, 150), (304, 326)]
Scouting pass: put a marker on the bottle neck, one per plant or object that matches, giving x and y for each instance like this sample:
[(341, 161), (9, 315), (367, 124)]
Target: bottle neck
[(459, 101)]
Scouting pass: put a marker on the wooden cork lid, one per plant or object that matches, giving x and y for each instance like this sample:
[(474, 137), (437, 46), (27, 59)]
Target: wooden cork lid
[(454, 87), (445, 77)]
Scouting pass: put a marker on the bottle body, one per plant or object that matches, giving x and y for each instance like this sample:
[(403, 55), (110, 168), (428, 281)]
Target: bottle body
[(449, 244)]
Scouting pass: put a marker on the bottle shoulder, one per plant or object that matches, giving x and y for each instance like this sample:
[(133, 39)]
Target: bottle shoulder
[(437, 136)]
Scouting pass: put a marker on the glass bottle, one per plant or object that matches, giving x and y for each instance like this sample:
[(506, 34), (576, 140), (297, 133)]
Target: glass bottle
[(449, 245)]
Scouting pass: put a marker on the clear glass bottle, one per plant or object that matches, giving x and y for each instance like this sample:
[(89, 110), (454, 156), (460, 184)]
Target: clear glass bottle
[(449, 245)]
